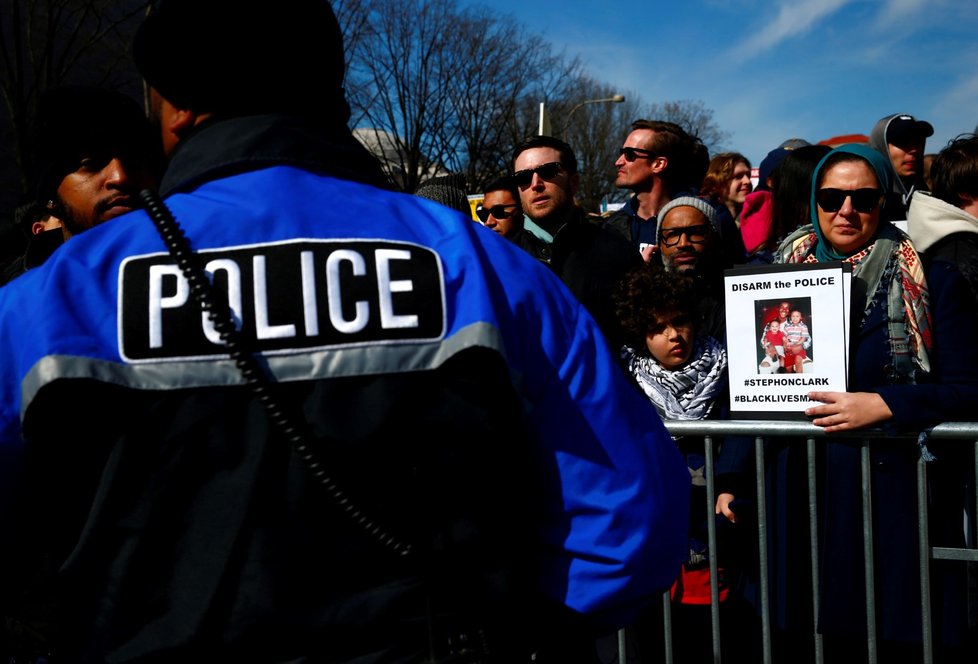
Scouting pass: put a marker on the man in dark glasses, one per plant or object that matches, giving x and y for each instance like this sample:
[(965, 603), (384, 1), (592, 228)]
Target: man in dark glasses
[(589, 258), (502, 213), (546, 174), (901, 138), (651, 163)]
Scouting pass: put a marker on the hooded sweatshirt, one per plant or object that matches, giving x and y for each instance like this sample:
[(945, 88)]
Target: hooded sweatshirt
[(940, 230), (930, 219), (898, 199)]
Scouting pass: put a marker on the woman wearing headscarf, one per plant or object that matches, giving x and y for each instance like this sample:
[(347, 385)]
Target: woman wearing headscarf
[(913, 365)]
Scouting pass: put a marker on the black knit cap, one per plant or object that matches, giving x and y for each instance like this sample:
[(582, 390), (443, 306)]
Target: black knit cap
[(75, 122), (239, 57)]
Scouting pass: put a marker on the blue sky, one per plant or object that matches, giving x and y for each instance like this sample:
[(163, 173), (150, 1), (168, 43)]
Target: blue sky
[(777, 69)]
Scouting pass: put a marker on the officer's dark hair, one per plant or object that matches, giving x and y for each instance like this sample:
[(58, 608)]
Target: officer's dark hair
[(234, 58)]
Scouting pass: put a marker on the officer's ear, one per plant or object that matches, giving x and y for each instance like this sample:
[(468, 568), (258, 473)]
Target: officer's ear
[(174, 122), (182, 120)]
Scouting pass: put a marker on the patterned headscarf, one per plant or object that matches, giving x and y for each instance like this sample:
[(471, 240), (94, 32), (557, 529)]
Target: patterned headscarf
[(889, 266), (824, 251)]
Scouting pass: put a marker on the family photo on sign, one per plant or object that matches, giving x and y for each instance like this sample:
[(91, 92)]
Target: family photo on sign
[(786, 337)]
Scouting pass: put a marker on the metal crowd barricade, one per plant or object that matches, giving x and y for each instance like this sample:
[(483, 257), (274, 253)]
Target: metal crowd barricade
[(811, 436)]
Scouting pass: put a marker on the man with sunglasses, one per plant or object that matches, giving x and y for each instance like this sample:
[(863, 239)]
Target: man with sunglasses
[(589, 258), (502, 213), (652, 163)]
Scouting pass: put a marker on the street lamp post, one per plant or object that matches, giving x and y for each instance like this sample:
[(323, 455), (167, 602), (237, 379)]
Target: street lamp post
[(616, 99), (544, 129)]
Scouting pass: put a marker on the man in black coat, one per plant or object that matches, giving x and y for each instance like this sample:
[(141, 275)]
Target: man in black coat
[(588, 258)]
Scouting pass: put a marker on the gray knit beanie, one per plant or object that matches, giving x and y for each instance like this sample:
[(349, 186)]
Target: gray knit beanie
[(448, 190), (708, 209)]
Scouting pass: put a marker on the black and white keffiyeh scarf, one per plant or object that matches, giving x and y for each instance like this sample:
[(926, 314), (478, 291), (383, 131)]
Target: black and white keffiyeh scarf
[(687, 393)]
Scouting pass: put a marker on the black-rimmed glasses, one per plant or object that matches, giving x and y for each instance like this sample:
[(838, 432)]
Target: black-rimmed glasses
[(496, 211), (546, 172), (697, 234), (863, 200), (631, 154)]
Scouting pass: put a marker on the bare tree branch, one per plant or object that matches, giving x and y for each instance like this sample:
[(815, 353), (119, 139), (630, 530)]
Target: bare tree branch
[(694, 117), (398, 83)]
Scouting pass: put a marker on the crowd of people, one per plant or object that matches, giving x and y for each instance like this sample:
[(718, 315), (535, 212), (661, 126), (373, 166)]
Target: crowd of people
[(910, 241), (256, 404)]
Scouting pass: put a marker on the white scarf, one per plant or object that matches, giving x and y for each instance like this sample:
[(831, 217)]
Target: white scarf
[(687, 393)]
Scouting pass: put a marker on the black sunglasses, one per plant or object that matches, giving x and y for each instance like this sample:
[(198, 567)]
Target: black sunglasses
[(697, 234), (497, 211), (631, 154), (545, 171), (863, 200)]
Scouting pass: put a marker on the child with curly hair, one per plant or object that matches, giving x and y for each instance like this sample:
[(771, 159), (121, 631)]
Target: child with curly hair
[(684, 374)]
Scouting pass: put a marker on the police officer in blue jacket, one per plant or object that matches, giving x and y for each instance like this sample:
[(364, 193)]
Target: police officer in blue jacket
[(399, 439)]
